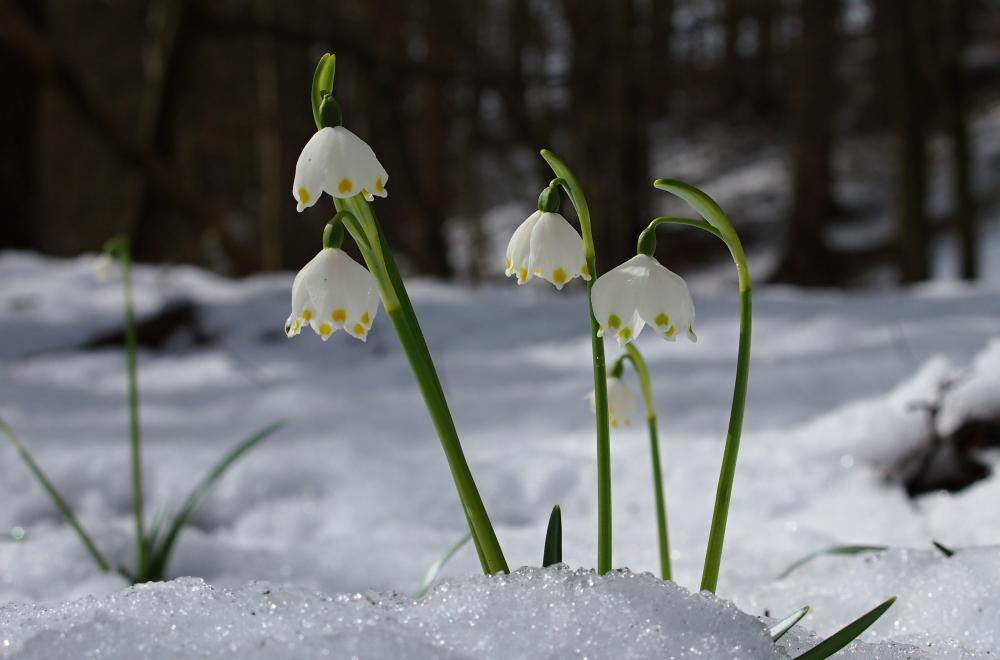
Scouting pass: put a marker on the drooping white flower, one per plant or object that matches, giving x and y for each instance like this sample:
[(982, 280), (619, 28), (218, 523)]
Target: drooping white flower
[(621, 402), (546, 246), (339, 163), (642, 291), (330, 293)]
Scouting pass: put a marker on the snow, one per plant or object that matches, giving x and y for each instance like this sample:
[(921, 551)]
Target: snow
[(353, 495)]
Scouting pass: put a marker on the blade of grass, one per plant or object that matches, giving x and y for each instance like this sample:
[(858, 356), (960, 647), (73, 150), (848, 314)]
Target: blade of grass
[(778, 630), (198, 493), (553, 539), (847, 634), (57, 499), (946, 551), (835, 550), (435, 568)]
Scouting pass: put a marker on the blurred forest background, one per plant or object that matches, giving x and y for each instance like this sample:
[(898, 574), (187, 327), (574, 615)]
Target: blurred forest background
[(844, 137)]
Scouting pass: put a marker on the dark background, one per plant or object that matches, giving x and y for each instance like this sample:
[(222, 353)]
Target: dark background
[(840, 135)]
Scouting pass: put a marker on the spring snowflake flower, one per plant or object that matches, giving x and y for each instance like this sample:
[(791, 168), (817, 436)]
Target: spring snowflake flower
[(330, 293), (339, 163), (546, 245), (621, 402), (642, 291)]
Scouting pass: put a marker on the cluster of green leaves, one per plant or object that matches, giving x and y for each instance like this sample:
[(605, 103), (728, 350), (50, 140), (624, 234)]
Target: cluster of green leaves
[(155, 544)]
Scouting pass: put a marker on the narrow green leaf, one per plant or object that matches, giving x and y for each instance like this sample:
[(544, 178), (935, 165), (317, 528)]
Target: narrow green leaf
[(946, 551), (322, 83), (161, 554), (846, 635), (553, 539), (435, 568), (778, 630), (835, 550), (57, 499)]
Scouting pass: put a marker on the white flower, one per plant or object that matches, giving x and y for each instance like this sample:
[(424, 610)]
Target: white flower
[(642, 291), (331, 292), (621, 402), (339, 163), (546, 245)]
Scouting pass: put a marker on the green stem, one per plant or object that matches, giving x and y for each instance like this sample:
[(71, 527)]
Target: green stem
[(404, 320), (131, 351), (571, 184), (720, 226), (654, 451), (57, 499)]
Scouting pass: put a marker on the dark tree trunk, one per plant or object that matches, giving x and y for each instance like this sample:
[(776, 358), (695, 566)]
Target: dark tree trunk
[(806, 259), (956, 12), (900, 29), (19, 116)]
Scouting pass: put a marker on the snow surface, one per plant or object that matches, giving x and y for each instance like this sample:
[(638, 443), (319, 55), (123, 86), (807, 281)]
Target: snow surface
[(354, 495)]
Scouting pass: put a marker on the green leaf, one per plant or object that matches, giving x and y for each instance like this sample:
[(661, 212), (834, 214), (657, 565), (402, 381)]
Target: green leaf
[(778, 630), (57, 499), (435, 568), (835, 550), (708, 209), (161, 555), (553, 539), (946, 551), (322, 83), (846, 635)]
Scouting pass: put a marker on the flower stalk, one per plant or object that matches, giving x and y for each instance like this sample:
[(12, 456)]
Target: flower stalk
[(568, 181), (642, 373), (718, 224), (119, 247)]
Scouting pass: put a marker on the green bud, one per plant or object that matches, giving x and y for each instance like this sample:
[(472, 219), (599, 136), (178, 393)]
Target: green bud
[(647, 242), (329, 112), (549, 200), (333, 233)]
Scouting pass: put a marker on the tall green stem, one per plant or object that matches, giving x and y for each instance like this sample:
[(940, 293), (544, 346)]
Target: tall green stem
[(642, 372), (720, 226), (397, 303), (131, 351), (571, 184)]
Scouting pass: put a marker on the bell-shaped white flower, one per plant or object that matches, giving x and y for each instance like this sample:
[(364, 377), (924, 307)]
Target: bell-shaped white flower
[(546, 246), (339, 163), (621, 402), (642, 291), (330, 293)]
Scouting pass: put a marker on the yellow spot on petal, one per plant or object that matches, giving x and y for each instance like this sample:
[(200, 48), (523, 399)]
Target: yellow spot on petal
[(559, 276), (625, 333), (345, 186), (364, 191), (338, 315), (538, 272), (378, 185), (359, 329), (522, 274), (614, 423), (365, 318), (662, 319), (510, 264), (614, 321), (585, 272), (307, 315), (304, 195), (325, 329), (670, 332)]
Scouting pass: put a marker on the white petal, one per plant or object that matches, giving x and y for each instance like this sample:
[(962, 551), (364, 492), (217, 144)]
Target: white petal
[(334, 292), (615, 300), (310, 169), (664, 301), (556, 250), (519, 249), (621, 402)]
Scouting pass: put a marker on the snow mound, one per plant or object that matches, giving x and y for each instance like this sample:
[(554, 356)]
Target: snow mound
[(533, 613), (945, 605)]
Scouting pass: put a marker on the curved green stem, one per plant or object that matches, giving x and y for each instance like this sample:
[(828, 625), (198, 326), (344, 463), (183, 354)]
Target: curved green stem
[(718, 221), (363, 225), (642, 372), (571, 184)]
